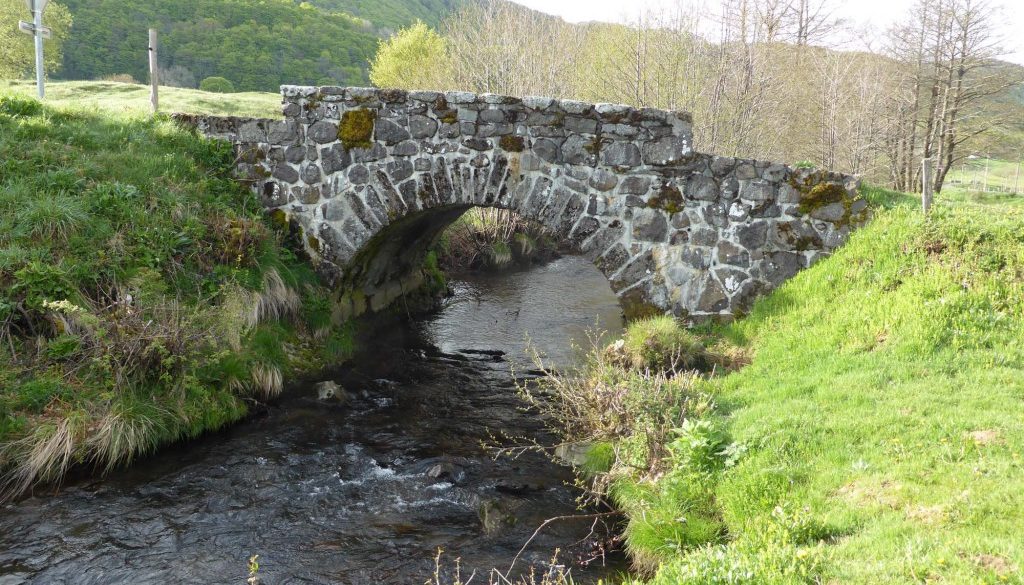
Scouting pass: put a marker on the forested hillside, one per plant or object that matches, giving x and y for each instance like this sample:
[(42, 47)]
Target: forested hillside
[(390, 15), (256, 44)]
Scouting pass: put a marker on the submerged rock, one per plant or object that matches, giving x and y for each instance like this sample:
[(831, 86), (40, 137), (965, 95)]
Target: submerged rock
[(495, 516), (330, 391)]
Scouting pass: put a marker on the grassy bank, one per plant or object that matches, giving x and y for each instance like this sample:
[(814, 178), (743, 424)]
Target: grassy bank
[(875, 437), (492, 239), (143, 298), (133, 99)]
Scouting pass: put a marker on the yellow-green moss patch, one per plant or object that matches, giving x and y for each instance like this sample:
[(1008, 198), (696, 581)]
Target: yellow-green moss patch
[(356, 130)]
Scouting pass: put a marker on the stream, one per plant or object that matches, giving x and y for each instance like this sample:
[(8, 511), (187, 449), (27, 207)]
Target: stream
[(357, 492)]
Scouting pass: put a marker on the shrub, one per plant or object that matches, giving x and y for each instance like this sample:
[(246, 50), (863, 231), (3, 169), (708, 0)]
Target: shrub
[(35, 394), (659, 344), (20, 107), (120, 78), (217, 85)]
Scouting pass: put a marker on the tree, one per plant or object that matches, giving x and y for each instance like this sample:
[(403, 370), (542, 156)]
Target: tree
[(947, 49), (17, 51), (217, 85), (414, 57)]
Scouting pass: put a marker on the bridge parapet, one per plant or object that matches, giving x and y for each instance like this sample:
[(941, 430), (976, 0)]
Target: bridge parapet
[(372, 176)]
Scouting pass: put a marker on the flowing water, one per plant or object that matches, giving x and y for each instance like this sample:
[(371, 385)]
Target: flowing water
[(361, 492)]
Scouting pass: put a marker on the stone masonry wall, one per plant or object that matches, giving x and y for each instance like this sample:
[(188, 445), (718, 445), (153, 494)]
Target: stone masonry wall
[(371, 177)]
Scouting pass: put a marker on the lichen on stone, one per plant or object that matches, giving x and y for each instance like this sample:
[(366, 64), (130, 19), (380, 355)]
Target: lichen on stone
[(356, 129), (512, 143), (669, 198)]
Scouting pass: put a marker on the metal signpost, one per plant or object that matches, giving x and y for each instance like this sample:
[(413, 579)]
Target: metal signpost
[(40, 32)]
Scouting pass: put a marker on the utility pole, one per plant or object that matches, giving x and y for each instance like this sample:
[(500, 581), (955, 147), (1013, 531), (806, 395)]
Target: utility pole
[(154, 80), (40, 32)]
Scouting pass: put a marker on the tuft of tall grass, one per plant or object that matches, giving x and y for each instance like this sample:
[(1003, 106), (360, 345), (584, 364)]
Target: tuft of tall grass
[(143, 297), (50, 217)]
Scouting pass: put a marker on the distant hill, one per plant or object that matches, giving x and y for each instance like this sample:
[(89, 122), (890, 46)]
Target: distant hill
[(388, 16), (257, 44), (1002, 117)]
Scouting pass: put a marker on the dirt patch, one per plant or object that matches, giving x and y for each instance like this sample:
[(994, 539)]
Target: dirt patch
[(864, 492), (984, 437), (997, 564)]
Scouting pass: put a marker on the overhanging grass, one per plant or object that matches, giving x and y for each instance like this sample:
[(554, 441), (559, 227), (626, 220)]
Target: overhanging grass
[(884, 407), (143, 298)]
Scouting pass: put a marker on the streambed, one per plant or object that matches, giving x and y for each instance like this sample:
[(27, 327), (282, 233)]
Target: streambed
[(358, 492)]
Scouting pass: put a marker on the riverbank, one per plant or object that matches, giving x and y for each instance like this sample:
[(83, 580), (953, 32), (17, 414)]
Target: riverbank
[(875, 436), (143, 296)]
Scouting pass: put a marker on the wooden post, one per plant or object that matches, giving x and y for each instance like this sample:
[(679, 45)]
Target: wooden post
[(154, 75), (1016, 178), (927, 182)]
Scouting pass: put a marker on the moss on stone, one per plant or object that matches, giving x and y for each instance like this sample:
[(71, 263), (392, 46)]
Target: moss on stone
[(512, 143), (635, 306), (821, 195), (593, 147), (356, 129), (313, 243), (669, 198), (279, 219)]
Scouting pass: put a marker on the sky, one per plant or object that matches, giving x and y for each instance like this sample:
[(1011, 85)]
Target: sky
[(878, 14)]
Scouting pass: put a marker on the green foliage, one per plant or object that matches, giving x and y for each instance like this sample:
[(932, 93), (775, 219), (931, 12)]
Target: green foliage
[(436, 281), (660, 344), (599, 458), (699, 445), (142, 296), (35, 394), (340, 344), (17, 50), (51, 217), (217, 85), (256, 44), (39, 282), (415, 56), (19, 107), (63, 347), (390, 15)]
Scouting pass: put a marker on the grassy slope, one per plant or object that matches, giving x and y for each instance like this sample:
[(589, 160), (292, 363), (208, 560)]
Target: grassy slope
[(884, 404), (186, 306), (1001, 175), (132, 99)]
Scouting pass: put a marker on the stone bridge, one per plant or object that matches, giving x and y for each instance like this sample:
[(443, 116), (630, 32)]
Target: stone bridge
[(371, 177)]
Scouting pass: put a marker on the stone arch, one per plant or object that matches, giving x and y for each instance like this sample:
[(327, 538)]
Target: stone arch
[(371, 176)]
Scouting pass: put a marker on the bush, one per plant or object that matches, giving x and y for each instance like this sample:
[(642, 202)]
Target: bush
[(120, 78), (217, 85), (20, 107), (659, 344)]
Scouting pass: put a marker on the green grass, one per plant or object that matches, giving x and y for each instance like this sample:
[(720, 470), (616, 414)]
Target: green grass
[(133, 99), (1002, 175), (885, 397), (143, 295), (877, 434)]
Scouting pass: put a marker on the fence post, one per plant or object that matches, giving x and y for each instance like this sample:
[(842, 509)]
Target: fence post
[(1016, 178), (927, 183), (154, 75)]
